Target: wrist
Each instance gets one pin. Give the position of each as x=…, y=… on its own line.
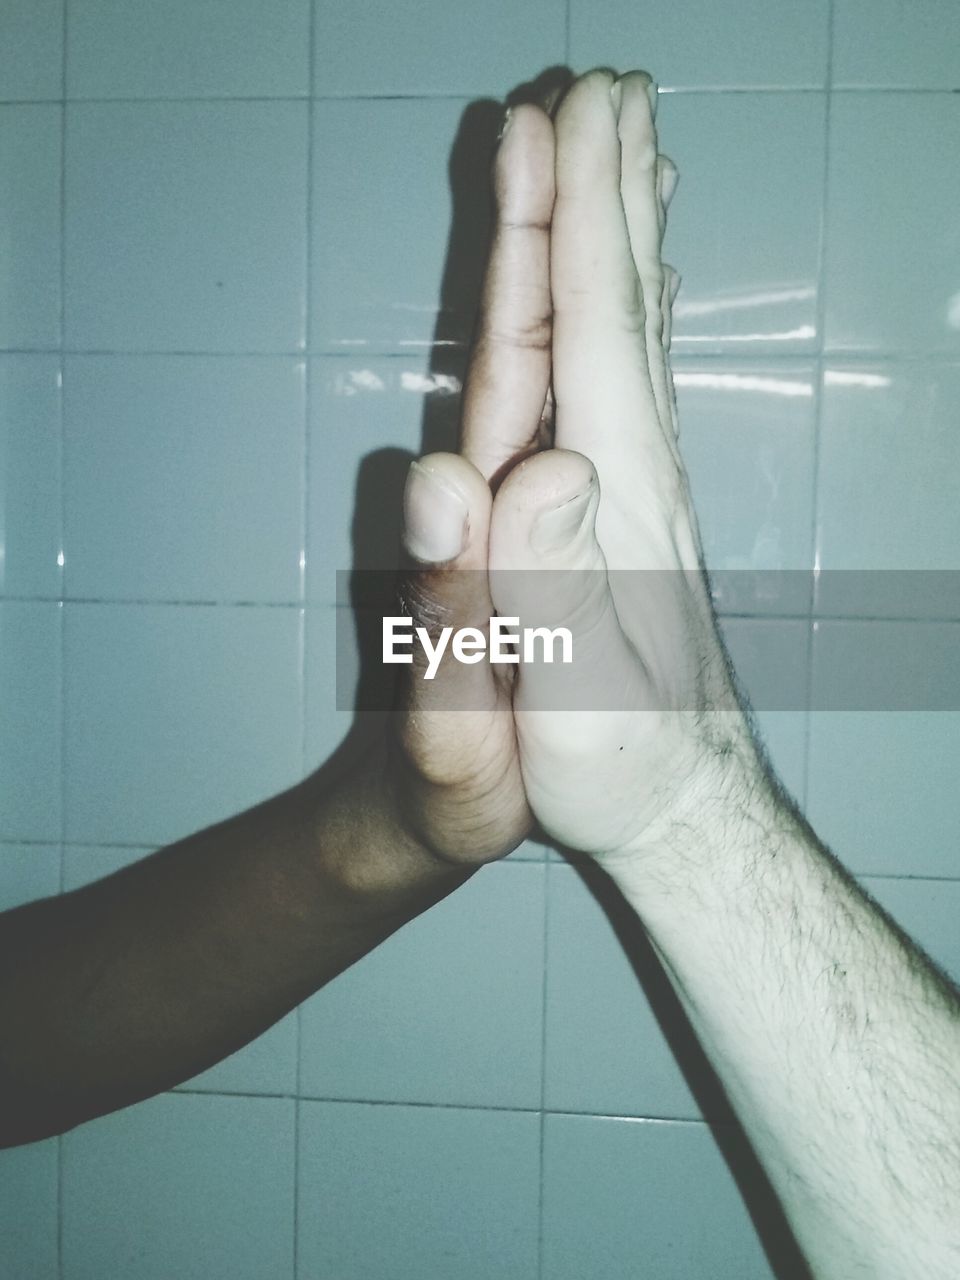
x=363, y=847
x=723, y=803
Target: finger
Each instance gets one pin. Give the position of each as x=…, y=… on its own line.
x=645, y=217
x=547, y=570
x=509, y=372
x=606, y=407
x=446, y=522
x=454, y=722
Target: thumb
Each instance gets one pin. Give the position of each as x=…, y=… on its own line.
x=547, y=570
x=446, y=522
x=453, y=718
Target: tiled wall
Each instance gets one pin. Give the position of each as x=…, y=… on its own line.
x=224, y=234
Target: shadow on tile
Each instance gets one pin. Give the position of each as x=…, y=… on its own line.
x=369, y=590
x=760, y=1200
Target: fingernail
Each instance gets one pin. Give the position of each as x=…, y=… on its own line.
x=434, y=517
x=556, y=529
x=507, y=116
x=653, y=94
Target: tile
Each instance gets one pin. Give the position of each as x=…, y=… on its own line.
x=30, y=501
x=176, y=717
x=448, y=1010
x=880, y=666
x=415, y=1192
x=30, y=694
x=30, y=160
x=886, y=497
x=28, y=1211
x=206, y=249
x=745, y=223
x=412, y=47
x=184, y=477
x=28, y=872
x=747, y=438
x=199, y=1188
x=888, y=44
x=188, y=49
x=771, y=659
x=266, y=1065
x=881, y=789
x=928, y=910
x=31, y=49
x=385, y=164
x=604, y=1049
x=620, y=1191
x=892, y=246
x=328, y=668
x=699, y=45
x=369, y=418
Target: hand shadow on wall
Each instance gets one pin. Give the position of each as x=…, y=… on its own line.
x=379, y=491
x=376, y=557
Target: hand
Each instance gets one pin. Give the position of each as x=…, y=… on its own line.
x=456, y=772
x=613, y=496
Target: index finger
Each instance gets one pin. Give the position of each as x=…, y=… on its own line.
x=509, y=372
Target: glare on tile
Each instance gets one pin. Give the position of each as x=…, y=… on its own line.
x=442, y=382
x=744, y=382
x=854, y=378
x=768, y=297
x=804, y=333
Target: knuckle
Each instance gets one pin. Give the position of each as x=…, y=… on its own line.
x=524, y=332
x=419, y=599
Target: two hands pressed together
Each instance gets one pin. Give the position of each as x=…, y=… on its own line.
x=835, y=1039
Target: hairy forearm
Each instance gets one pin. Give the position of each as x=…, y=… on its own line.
x=137, y=982
x=837, y=1041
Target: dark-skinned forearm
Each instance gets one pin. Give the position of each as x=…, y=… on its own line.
x=135, y=983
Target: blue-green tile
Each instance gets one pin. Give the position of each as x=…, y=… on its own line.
x=448, y=1010
x=199, y=1188
x=30, y=493
x=176, y=717
x=422, y=48
x=188, y=48
x=889, y=44
x=416, y=1192
x=30, y=737
x=185, y=226
x=892, y=238
x=744, y=225
x=31, y=49
x=640, y=1197
x=30, y=162
x=29, y=1212
x=696, y=44
x=184, y=477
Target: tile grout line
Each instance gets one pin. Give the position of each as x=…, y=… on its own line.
x=818, y=401
x=62, y=552
x=307, y=332
x=543, y=1052
x=739, y=359
x=767, y=90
